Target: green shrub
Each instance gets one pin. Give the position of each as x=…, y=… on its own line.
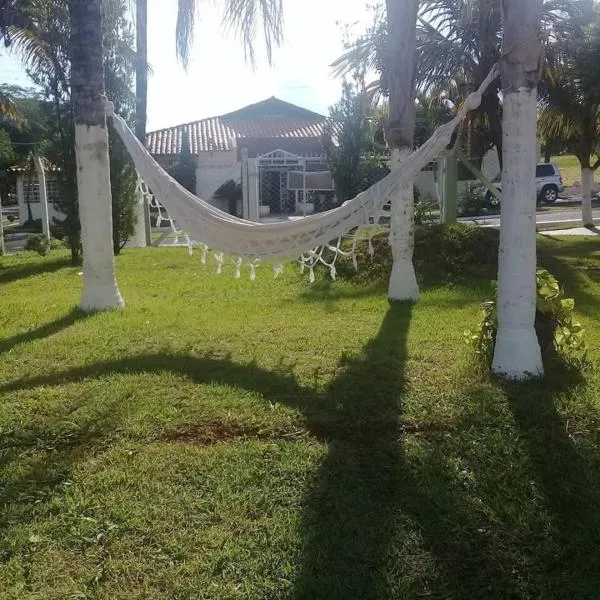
x=39, y=244
x=443, y=253
x=555, y=325
x=472, y=203
x=425, y=212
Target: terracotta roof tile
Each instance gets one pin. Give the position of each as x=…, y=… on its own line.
x=263, y=120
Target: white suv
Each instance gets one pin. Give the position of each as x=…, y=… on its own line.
x=548, y=183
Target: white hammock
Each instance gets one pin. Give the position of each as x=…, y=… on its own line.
x=306, y=239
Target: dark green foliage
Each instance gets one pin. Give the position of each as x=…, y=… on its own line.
x=7, y=151
x=431, y=112
x=232, y=193
x=39, y=244
x=570, y=94
x=184, y=170
x=472, y=203
x=555, y=323
x=349, y=145
x=50, y=117
x=443, y=253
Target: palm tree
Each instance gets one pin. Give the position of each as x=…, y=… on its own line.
x=458, y=42
x=571, y=101
x=517, y=353
x=400, y=132
x=100, y=290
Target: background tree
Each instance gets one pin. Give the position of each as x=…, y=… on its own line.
x=348, y=142
x=517, y=353
x=45, y=46
x=119, y=40
x=570, y=98
x=458, y=42
x=184, y=170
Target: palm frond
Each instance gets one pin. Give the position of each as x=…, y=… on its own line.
x=10, y=111
x=244, y=17
x=184, y=32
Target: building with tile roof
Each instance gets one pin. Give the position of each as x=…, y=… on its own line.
x=259, y=128
x=276, y=137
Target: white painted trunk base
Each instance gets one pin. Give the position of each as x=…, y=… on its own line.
x=138, y=238
x=587, y=183
x=403, y=282
x=517, y=354
x=100, y=290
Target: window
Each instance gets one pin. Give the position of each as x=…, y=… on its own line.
x=31, y=190
x=544, y=171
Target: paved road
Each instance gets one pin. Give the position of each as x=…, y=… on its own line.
x=570, y=212
x=571, y=215
x=541, y=217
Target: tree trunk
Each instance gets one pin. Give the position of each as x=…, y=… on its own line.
x=142, y=233
x=41, y=176
x=587, y=183
x=400, y=130
x=2, y=250
x=100, y=290
x=517, y=353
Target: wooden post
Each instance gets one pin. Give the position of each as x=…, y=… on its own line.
x=449, y=187
x=245, y=191
x=41, y=176
x=253, y=191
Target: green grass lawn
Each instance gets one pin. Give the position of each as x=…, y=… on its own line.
x=570, y=169
x=224, y=439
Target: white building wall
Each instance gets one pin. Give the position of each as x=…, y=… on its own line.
x=36, y=207
x=214, y=169
x=427, y=185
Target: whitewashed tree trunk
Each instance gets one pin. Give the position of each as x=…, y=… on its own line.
x=517, y=353
x=400, y=72
x=41, y=177
x=138, y=238
x=100, y=291
x=403, y=282
x=587, y=184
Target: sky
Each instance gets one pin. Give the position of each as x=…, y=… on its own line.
x=218, y=79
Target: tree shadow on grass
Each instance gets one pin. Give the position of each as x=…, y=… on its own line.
x=576, y=279
x=347, y=524
x=387, y=514
x=18, y=272
x=563, y=450
x=44, y=331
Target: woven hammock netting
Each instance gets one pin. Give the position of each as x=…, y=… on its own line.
x=316, y=239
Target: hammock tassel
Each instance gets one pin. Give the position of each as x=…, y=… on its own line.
x=238, y=268
x=219, y=258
